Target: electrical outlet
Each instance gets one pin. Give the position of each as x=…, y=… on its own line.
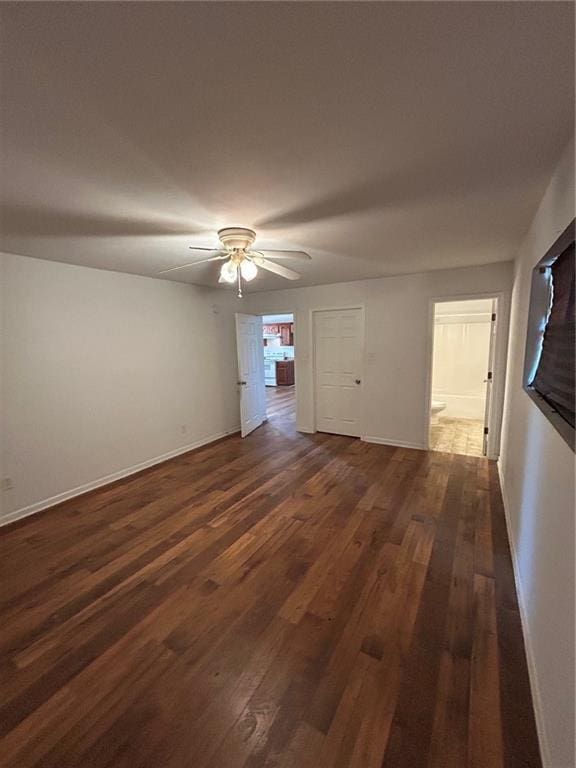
x=7, y=484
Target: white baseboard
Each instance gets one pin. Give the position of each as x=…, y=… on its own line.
x=393, y=443
x=38, y=506
x=532, y=674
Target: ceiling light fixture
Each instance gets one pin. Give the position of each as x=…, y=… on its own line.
x=242, y=263
x=229, y=272
x=248, y=269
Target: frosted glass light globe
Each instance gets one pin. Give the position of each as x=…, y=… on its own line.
x=248, y=270
x=229, y=271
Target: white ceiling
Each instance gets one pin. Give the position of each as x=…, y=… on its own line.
x=383, y=138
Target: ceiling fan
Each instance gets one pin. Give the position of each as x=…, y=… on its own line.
x=240, y=262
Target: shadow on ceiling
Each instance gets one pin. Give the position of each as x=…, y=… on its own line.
x=24, y=220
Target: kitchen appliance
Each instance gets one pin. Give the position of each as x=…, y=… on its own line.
x=270, y=358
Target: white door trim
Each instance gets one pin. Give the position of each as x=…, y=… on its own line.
x=489, y=381
x=312, y=346
x=499, y=369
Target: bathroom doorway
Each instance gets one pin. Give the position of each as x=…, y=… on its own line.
x=462, y=376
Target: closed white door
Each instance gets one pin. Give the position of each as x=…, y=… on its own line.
x=338, y=354
x=249, y=342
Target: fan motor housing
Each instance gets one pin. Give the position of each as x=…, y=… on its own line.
x=237, y=238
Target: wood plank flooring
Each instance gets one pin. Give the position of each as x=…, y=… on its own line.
x=281, y=402
x=286, y=601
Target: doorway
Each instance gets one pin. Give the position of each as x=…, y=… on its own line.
x=279, y=368
x=464, y=334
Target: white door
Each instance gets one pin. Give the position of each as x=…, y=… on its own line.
x=489, y=381
x=338, y=352
x=250, y=345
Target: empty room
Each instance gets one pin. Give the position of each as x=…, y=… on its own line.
x=287, y=403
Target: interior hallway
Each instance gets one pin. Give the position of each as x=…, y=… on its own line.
x=287, y=599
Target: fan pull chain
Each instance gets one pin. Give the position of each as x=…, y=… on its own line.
x=239, y=284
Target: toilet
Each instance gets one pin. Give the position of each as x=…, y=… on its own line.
x=435, y=408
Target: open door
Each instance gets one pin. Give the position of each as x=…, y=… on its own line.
x=489, y=380
x=250, y=372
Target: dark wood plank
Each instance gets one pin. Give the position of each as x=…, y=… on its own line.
x=283, y=601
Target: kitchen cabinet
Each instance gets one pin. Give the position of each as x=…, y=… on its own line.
x=284, y=373
x=283, y=330
x=286, y=335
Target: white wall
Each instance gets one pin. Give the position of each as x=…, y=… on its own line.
x=271, y=319
x=105, y=371
x=398, y=341
x=288, y=352
x=537, y=473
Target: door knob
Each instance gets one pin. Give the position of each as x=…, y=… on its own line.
x=242, y=383
x=358, y=381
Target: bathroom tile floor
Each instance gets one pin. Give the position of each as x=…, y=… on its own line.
x=462, y=436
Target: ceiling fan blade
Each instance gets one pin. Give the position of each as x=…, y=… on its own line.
x=211, y=250
x=191, y=264
x=282, y=254
x=277, y=269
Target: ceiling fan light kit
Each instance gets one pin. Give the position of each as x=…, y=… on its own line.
x=241, y=263
x=228, y=272
x=248, y=269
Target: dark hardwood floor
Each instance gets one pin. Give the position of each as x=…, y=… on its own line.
x=286, y=601
x=281, y=402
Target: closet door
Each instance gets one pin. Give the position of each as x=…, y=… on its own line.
x=338, y=354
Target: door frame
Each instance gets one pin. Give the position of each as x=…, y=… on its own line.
x=312, y=345
x=498, y=370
